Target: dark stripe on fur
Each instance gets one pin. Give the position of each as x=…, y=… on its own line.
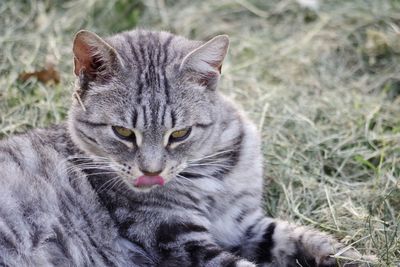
x=165, y=49
x=166, y=87
x=244, y=213
x=144, y=112
x=187, y=195
x=154, y=112
x=101, y=253
x=84, y=135
x=169, y=232
x=229, y=158
x=203, y=125
x=212, y=253
x=7, y=241
x=139, y=90
x=164, y=109
x=173, y=118
x=229, y=262
x=190, y=175
x=193, y=248
x=190, y=252
x=92, y=124
x=11, y=153
x=60, y=241
x=134, y=117
x=263, y=251
x=123, y=228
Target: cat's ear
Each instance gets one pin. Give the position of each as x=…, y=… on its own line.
x=204, y=63
x=93, y=57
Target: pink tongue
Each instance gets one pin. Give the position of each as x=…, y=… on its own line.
x=148, y=181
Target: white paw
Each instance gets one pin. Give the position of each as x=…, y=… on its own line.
x=245, y=263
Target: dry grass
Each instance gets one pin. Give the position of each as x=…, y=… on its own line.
x=323, y=85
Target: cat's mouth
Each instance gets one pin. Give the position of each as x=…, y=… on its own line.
x=145, y=181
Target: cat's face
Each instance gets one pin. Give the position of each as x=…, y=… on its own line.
x=145, y=103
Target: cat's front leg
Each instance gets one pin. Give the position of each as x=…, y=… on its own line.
x=271, y=242
x=190, y=244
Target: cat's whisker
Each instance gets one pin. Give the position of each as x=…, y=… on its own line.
x=104, y=163
x=85, y=168
x=199, y=168
x=114, y=183
x=209, y=164
x=101, y=175
x=211, y=155
x=92, y=157
x=199, y=175
x=89, y=164
x=76, y=163
x=82, y=163
x=99, y=172
x=119, y=182
x=185, y=178
x=104, y=187
x=88, y=159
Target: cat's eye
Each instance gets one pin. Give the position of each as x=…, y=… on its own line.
x=180, y=135
x=123, y=133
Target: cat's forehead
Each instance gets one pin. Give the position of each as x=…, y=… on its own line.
x=148, y=49
x=151, y=61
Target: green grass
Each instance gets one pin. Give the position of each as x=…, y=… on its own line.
x=322, y=85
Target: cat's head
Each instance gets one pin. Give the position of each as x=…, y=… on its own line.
x=145, y=102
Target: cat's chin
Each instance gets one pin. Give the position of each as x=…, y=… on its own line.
x=146, y=184
x=144, y=189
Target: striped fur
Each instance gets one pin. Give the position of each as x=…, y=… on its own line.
x=69, y=193
x=49, y=213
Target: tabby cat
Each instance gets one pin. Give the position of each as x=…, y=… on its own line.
x=154, y=168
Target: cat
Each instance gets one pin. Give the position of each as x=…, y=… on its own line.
x=155, y=167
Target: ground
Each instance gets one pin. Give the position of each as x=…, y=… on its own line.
x=321, y=79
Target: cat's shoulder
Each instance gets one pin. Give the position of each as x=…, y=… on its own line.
x=35, y=151
x=53, y=137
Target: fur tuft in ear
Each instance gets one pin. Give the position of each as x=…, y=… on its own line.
x=205, y=62
x=93, y=57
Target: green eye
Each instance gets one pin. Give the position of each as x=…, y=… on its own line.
x=123, y=133
x=180, y=135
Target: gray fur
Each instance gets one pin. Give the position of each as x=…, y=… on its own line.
x=68, y=195
x=50, y=215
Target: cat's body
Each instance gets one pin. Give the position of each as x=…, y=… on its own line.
x=49, y=214
x=146, y=113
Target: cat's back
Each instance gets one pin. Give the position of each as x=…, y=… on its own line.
x=32, y=172
x=31, y=154
x=49, y=214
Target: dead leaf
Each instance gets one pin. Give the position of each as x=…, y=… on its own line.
x=48, y=75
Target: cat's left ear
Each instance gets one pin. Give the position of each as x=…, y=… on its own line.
x=204, y=63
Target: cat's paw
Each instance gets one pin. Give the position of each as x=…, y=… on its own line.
x=347, y=258
x=245, y=263
x=326, y=251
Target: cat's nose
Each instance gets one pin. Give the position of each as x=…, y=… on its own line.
x=151, y=173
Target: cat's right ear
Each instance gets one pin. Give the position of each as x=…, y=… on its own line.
x=94, y=58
